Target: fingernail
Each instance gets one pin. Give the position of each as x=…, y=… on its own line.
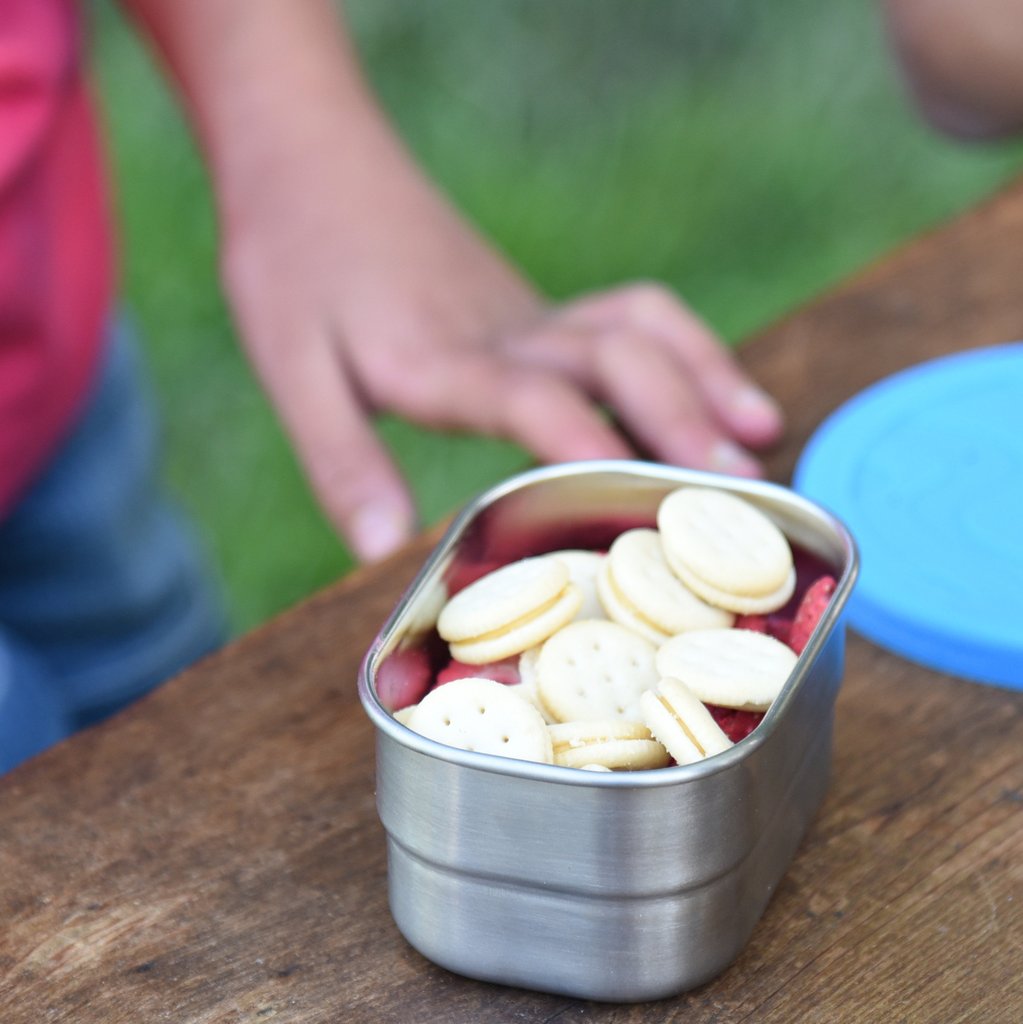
x=377, y=531
x=756, y=407
x=726, y=457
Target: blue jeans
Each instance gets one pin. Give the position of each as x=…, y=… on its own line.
x=103, y=591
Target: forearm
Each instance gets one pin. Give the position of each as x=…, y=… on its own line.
x=274, y=91
x=963, y=62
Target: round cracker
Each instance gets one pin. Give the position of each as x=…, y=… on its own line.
x=733, y=668
x=403, y=715
x=617, y=755
x=427, y=607
x=595, y=669
x=641, y=575
x=614, y=744
x=520, y=635
x=583, y=567
x=484, y=716
x=619, y=610
x=740, y=604
x=679, y=720
x=579, y=732
x=526, y=687
x=527, y=667
x=724, y=541
x=504, y=596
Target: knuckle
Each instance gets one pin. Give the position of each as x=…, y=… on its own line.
x=531, y=394
x=651, y=298
x=396, y=377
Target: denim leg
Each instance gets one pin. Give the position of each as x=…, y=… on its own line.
x=32, y=713
x=100, y=579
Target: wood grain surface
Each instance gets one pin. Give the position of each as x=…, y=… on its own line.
x=213, y=854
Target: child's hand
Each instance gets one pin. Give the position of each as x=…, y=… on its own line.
x=381, y=298
x=358, y=289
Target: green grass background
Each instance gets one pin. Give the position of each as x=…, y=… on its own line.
x=749, y=154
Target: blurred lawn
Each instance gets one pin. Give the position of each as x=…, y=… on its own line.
x=748, y=154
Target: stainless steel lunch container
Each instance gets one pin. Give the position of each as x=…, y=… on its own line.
x=609, y=886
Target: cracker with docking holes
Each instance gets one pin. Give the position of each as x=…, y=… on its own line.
x=640, y=578
x=613, y=744
x=726, y=550
x=678, y=719
x=481, y=715
x=733, y=668
x=509, y=610
x=595, y=669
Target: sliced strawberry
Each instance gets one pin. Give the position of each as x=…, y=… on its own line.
x=757, y=623
x=505, y=671
x=813, y=605
x=774, y=625
x=403, y=678
x=780, y=627
x=736, y=725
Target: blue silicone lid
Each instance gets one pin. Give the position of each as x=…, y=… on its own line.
x=926, y=469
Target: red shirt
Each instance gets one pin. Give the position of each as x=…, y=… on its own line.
x=55, y=250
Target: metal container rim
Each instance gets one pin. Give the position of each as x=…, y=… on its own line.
x=555, y=774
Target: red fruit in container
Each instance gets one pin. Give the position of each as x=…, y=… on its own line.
x=774, y=625
x=736, y=725
x=757, y=623
x=505, y=671
x=809, y=612
x=403, y=678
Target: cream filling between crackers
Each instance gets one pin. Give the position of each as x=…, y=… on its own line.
x=680, y=722
x=524, y=620
x=633, y=609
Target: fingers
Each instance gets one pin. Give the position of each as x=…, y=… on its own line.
x=556, y=421
x=663, y=408
x=673, y=388
x=657, y=401
x=540, y=394
x=479, y=390
x=742, y=408
x=349, y=469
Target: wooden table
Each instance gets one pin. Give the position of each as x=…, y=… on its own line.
x=214, y=853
